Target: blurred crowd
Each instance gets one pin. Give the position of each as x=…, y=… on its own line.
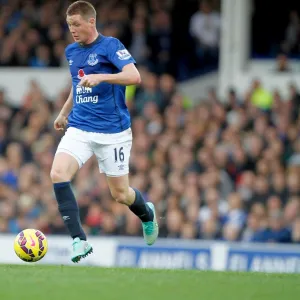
x=34, y=33
x=225, y=169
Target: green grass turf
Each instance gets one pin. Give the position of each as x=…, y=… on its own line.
x=61, y=282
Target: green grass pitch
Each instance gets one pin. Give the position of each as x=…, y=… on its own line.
x=41, y=282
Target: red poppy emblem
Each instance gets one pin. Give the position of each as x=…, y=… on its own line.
x=81, y=73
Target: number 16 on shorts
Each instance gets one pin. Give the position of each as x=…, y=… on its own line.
x=119, y=154
x=117, y=159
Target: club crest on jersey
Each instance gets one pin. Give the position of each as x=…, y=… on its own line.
x=92, y=60
x=81, y=74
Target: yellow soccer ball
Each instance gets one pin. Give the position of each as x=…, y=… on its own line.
x=31, y=245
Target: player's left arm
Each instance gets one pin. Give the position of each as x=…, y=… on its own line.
x=128, y=76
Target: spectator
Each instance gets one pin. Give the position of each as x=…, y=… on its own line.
x=296, y=231
x=291, y=42
x=278, y=186
x=210, y=229
x=252, y=228
x=149, y=92
x=294, y=100
x=215, y=207
x=205, y=28
x=275, y=232
x=292, y=211
x=234, y=219
x=6, y=112
x=188, y=231
x=260, y=97
x=159, y=42
x=282, y=64
x=138, y=46
x=42, y=57
x=174, y=223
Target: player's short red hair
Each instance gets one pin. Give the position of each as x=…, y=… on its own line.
x=82, y=8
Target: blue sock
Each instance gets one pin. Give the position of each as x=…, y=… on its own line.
x=68, y=208
x=140, y=208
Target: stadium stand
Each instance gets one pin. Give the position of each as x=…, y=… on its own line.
x=34, y=33
x=216, y=171
x=222, y=170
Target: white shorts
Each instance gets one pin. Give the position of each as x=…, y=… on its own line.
x=111, y=150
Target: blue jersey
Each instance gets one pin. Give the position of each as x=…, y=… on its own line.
x=101, y=108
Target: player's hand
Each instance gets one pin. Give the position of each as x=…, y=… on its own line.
x=60, y=122
x=90, y=80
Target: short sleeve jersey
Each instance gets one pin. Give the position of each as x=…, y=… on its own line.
x=101, y=108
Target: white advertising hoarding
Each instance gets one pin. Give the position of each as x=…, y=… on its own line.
x=168, y=254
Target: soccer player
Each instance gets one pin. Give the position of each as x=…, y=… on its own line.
x=97, y=122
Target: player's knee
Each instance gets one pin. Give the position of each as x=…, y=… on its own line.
x=120, y=195
x=59, y=175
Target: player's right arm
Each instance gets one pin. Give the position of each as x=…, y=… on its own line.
x=61, y=121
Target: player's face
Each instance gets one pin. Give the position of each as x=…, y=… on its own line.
x=80, y=28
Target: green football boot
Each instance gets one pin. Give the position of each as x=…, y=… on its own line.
x=150, y=229
x=81, y=249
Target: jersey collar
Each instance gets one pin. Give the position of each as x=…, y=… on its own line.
x=91, y=44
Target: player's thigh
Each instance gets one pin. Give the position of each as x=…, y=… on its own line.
x=72, y=152
x=64, y=167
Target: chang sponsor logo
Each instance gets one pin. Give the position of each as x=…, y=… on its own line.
x=86, y=99
x=83, y=95
x=83, y=90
